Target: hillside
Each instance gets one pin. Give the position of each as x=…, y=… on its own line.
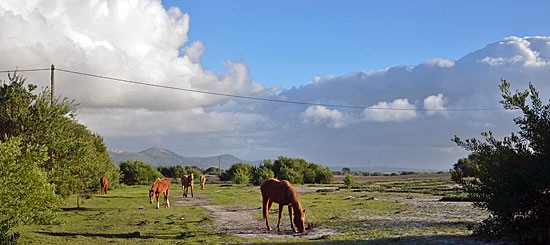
x=157, y=156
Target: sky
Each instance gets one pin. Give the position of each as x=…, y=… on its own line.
x=286, y=43
x=411, y=56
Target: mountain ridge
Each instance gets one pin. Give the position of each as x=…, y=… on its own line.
x=157, y=156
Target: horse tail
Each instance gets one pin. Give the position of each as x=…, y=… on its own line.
x=264, y=201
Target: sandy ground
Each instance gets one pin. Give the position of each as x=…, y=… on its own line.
x=242, y=222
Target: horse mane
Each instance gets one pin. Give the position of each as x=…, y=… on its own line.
x=294, y=200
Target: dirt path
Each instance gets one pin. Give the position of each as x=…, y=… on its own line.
x=242, y=222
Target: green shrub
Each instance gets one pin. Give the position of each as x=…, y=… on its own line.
x=512, y=176
x=349, y=181
x=241, y=176
x=261, y=174
x=138, y=173
x=26, y=197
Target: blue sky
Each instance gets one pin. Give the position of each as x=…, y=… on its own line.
x=288, y=42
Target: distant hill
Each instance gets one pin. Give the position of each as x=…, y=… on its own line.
x=157, y=156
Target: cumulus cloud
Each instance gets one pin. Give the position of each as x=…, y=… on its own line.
x=135, y=40
x=435, y=102
x=317, y=114
x=398, y=110
x=440, y=62
x=141, y=40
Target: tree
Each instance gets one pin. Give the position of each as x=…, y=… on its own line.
x=262, y=173
x=76, y=159
x=138, y=173
x=241, y=176
x=26, y=197
x=228, y=174
x=346, y=171
x=349, y=181
x=511, y=178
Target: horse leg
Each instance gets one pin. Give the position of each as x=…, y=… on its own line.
x=291, y=220
x=280, y=216
x=183, y=190
x=269, y=204
x=167, y=202
x=158, y=200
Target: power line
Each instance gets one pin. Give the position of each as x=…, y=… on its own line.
x=258, y=98
x=24, y=70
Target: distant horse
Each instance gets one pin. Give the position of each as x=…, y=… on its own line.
x=104, y=184
x=186, y=182
x=160, y=186
x=282, y=193
x=203, y=181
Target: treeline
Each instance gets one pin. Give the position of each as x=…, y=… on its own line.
x=295, y=170
x=45, y=155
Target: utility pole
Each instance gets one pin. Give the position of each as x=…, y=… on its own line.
x=52, y=78
x=220, y=163
x=369, y=168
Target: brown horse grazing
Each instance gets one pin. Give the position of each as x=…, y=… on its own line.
x=104, y=184
x=203, y=181
x=160, y=186
x=187, y=182
x=282, y=193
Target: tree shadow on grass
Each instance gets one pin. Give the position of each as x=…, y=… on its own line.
x=104, y=235
x=433, y=239
x=117, y=197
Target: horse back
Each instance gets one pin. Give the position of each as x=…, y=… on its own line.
x=277, y=191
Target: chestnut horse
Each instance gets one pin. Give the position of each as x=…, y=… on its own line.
x=282, y=193
x=160, y=186
x=186, y=182
x=203, y=181
x=104, y=184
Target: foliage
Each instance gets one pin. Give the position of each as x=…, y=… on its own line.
x=177, y=172
x=229, y=174
x=213, y=171
x=262, y=173
x=349, y=181
x=298, y=171
x=241, y=176
x=346, y=171
x=26, y=196
x=76, y=157
x=464, y=167
x=197, y=172
x=138, y=173
x=512, y=175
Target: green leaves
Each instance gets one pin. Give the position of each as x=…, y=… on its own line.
x=511, y=176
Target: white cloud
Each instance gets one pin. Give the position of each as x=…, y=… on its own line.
x=399, y=110
x=435, y=102
x=440, y=62
x=516, y=50
x=140, y=40
x=135, y=40
x=317, y=114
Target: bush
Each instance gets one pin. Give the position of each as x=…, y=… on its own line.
x=241, y=176
x=261, y=174
x=26, y=197
x=138, y=173
x=349, y=181
x=228, y=174
x=511, y=177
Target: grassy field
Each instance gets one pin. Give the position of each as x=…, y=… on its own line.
x=386, y=210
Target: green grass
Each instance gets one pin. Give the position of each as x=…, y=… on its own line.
x=117, y=218
x=377, y=212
